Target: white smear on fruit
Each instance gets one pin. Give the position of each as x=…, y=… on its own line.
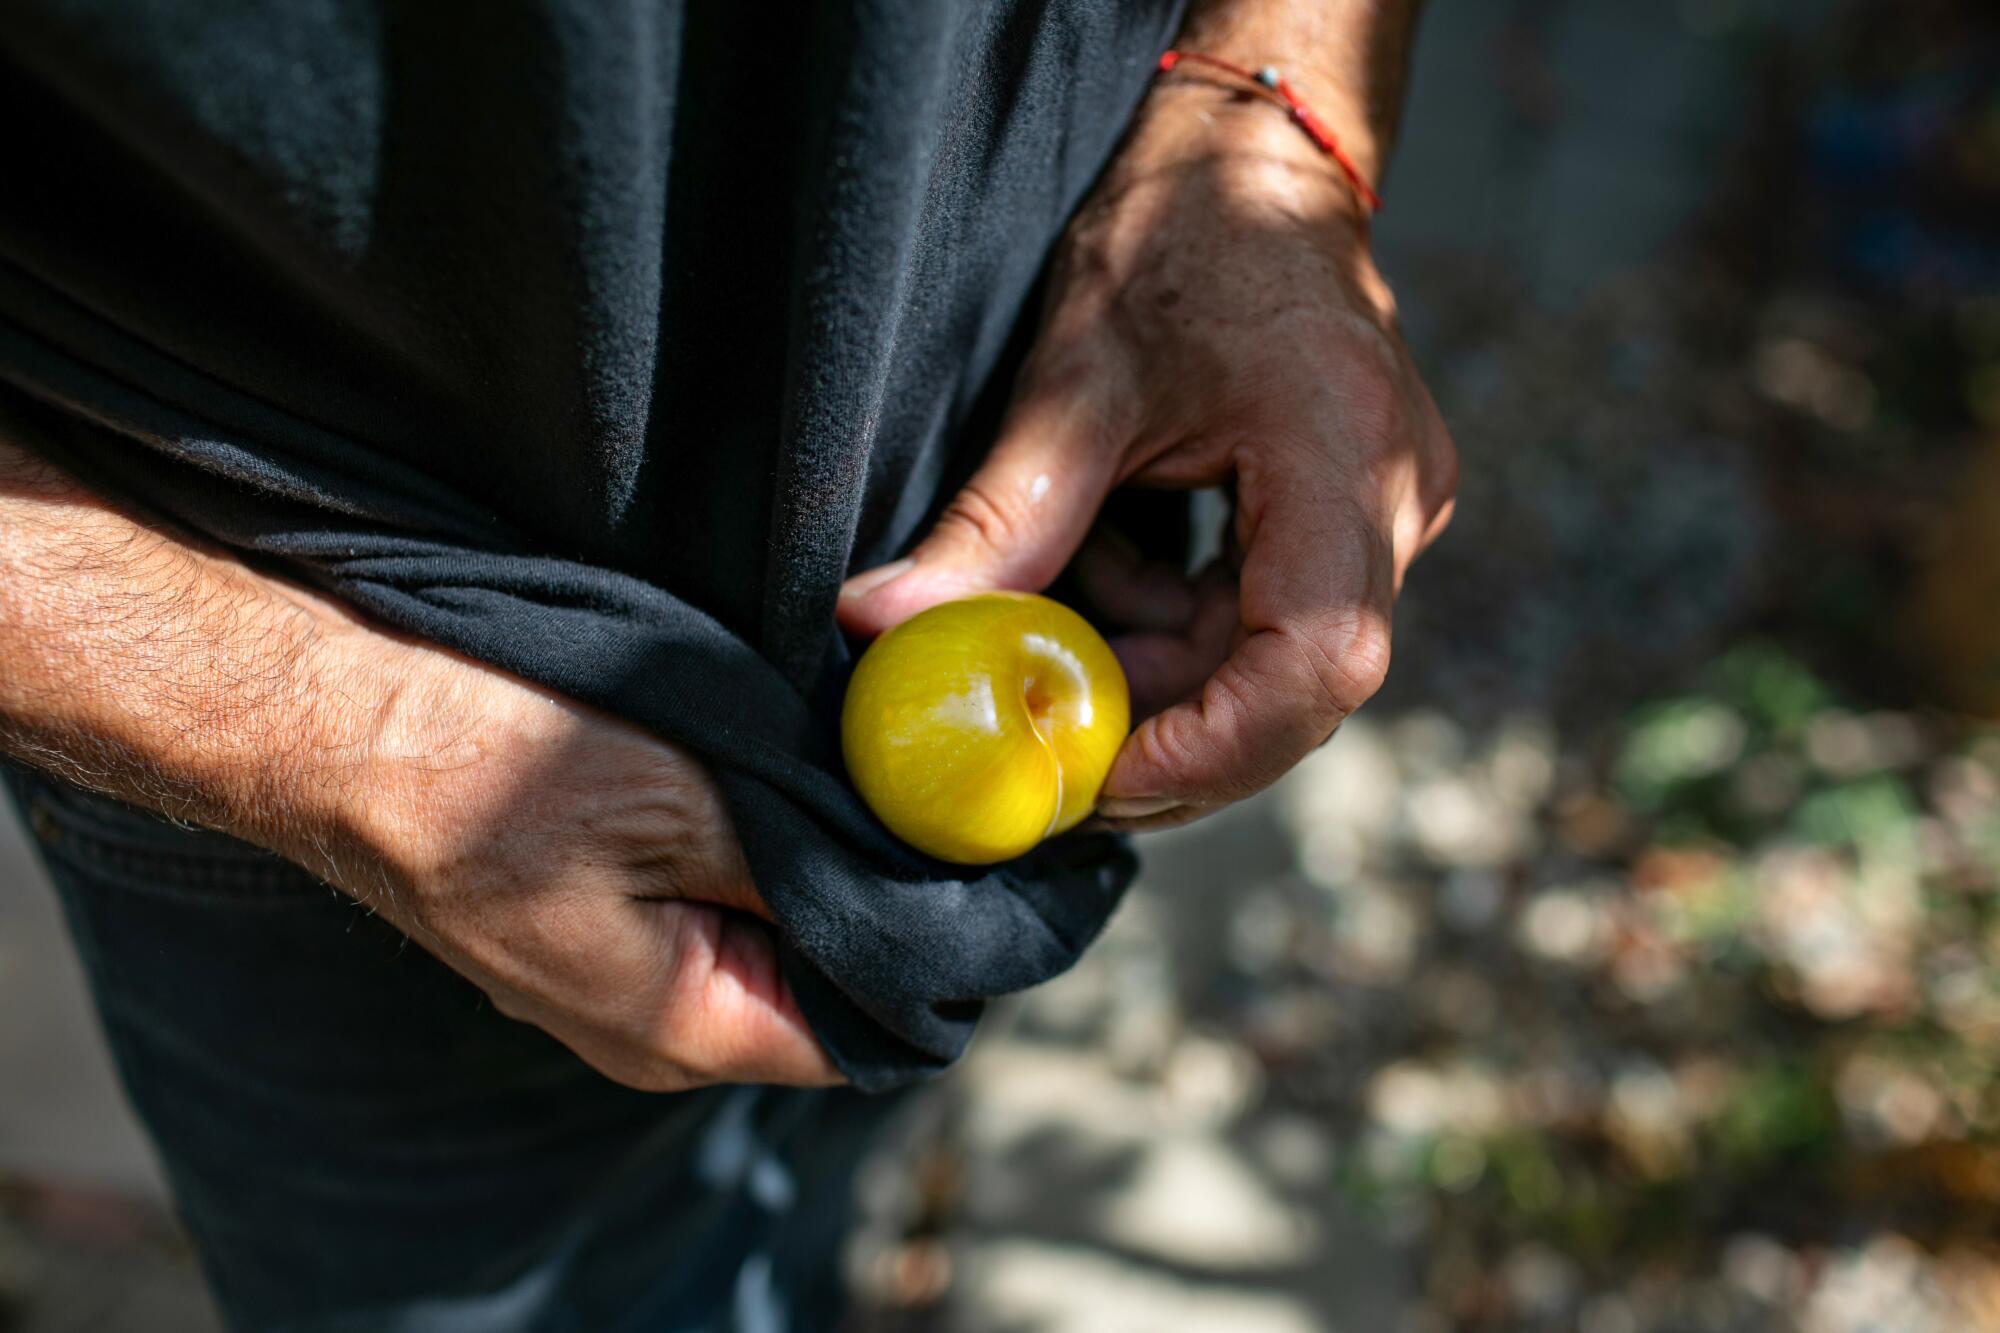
x=975, y=708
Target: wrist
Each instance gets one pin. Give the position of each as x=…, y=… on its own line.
x=1341, y=65
x=1248, y=150
x=451, y=756
x=298, y=778
x=335, y=763
x=414, y=727
x=1327, y=117
x=1239, y=201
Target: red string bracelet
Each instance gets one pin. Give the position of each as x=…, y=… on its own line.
x=1272, y=82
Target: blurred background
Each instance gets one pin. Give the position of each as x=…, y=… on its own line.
x=1633, y=963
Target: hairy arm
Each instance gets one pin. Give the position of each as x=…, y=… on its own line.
x=147, y=667
x=583, y=873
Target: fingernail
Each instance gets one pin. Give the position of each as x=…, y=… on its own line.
x=1135, y=807
x=863, y=584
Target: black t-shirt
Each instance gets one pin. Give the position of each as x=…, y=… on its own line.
x=599, y=339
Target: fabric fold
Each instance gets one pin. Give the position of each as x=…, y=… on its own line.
x=890, y=954
x=600, y=343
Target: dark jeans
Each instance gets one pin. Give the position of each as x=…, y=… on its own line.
x=357, y=1140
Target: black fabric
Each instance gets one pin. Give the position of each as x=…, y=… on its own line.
x=597, y=339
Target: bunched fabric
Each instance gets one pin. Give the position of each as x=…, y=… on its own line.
x=598, y=341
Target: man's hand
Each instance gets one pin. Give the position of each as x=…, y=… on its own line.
x=1213, y=318
x=581, y=872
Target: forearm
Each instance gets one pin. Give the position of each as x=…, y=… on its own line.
x=143, y=666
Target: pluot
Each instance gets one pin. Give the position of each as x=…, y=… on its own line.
x=978, y=728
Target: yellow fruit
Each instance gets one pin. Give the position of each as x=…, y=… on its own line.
x=980, y=727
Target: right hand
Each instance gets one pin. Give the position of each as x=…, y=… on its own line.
x=580, y=871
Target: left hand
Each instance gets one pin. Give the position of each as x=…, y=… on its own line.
x=1214, y=317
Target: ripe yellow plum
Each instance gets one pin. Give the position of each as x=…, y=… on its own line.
x=980, y=727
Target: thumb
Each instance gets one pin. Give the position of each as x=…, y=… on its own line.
x=1014, y=525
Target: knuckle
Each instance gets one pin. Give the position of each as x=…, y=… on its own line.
x=1373, y=410
x=1370, y=390
x=660, y=1073
x=1227, y=699
x=1064, y=369
x=675, y=1035
x=1163, y=747
x=674, y=1056
x=1349, y=660
x=1438, y=456
x=1374, y=398
x=1229, y=711
x=509, y=1007
x=635, y=1060
x=980, y=513
x=673, y=1024
x=1442, y=473
x=674, y=1073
